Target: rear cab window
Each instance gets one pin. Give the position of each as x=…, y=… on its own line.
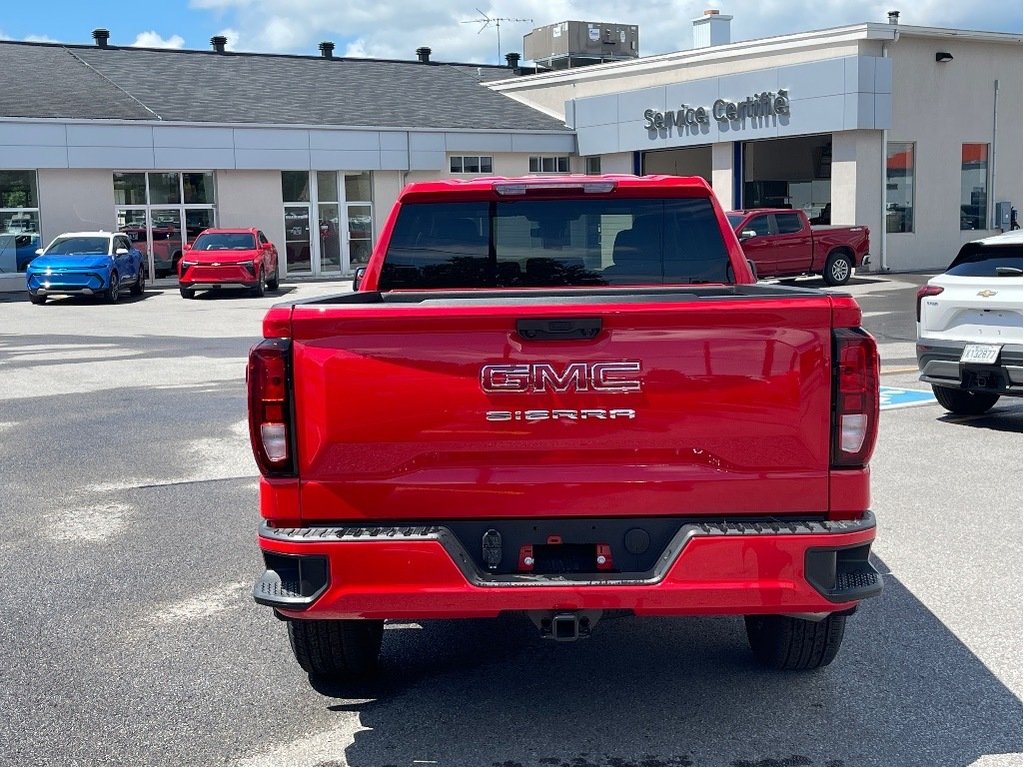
x=565, y=242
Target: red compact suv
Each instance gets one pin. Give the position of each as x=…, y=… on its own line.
x=228, y=257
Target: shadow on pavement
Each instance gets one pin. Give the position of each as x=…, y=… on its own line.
x=1004, y=417
x=903, y=691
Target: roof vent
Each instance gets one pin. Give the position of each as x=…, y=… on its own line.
x=423, y=54
x=327, y=49
x=101, y=36
x=894, y=17
x=219, y=42
x=513, y=60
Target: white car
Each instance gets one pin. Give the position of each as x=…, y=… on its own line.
x=969, y=325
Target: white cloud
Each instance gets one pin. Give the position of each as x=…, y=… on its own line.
x=39, y=39
x=396, y=28
x=153, y=40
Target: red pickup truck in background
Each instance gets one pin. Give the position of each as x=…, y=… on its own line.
x=782, y=243
x=561, y=397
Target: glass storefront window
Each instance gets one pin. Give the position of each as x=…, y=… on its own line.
x=327, y=186
x=973, y=186
x=18, y=189
x=295, y=186
x=899, y=187
x=130, y=188
x=196, y=220
x=198, y=187
x=357, y=187
x=164, y=188
x=19, y=220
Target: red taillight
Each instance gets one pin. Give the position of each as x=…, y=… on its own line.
x=270, y=417
x=926, y=290
x=855, y=400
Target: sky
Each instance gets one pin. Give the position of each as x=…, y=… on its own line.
x=456, y=30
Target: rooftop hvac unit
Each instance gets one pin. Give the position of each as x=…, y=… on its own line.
x=580, y=43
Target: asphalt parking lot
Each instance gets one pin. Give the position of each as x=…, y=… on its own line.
x=128, y=510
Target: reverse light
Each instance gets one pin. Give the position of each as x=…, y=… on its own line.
x=855, y=397
x=270, y=417
x=926, y=290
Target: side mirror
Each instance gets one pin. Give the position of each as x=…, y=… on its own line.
x=187, y=247
x=746, y=234
x=753, y=269
x=39, y=251
x=121, y=251
x=357, y=279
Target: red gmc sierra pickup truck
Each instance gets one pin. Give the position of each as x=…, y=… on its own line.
x=782, y=243
x=560, y=397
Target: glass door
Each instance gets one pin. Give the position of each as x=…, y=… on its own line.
x=134, y=222
x=296, y=239
x=165, y=241
x=360, y=235
x=330, y=239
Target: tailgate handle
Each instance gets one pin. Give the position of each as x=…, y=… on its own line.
x=558, y=328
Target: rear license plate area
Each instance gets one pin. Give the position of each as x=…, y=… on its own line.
x=564, y=558
x=981, y=354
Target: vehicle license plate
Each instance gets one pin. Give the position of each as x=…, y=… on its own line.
x=985, y=354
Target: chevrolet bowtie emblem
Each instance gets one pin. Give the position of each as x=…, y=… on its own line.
x=987, y=293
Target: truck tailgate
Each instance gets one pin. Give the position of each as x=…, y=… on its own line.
x=726, y=414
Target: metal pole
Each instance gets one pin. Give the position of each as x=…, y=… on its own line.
x=990, y=203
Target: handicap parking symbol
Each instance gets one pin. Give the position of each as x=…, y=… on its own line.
x=897, y=397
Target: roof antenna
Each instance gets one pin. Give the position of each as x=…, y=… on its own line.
x=487, y=21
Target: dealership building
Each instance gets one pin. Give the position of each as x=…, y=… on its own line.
x=914, y=132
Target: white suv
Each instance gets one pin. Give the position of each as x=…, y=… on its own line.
x=969, y=325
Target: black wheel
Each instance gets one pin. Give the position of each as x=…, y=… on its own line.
x=140, y=283
x=261, y=285
x=187, y=293
x=964, y=402
x=37, y=299
x=342, y=650
x=782, y=642
x=275, y=281
x=113, y=292
x=838, y=268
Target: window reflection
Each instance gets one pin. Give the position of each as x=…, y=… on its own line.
x=973, y=186
x=899, y=188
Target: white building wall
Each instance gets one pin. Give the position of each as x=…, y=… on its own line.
x=722, y=174
x=857, y=184
x=75, y=200
x=252, y=199
x=939, y=107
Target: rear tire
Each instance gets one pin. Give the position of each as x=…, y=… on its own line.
x=341, y=650
x=783, y=642
x=187, y=293
x=838, y=268
x=963, y=402
x=40, y=299
x=275, y=281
